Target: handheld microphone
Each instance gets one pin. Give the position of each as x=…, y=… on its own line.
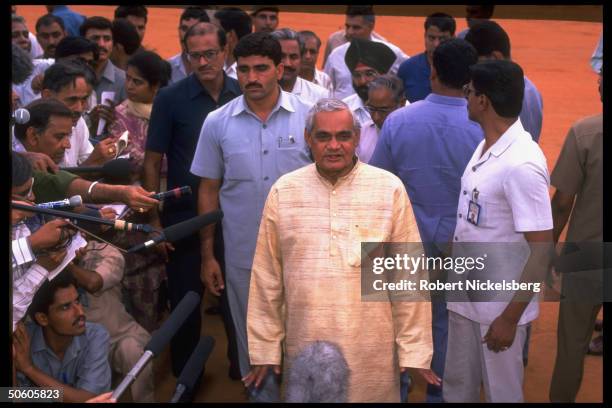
x=174, y=193
x=181, y=230
x=160, y=339
x=116, y=224
x=319, y=373
x=21, y=116
x=194, y=367
x=113, y=169
x=74, y=201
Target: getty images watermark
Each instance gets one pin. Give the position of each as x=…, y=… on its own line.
x=463, y=272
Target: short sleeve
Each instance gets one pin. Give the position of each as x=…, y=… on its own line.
x=382, y=157
x=94, y=372
x=159, y=134
x=208, y=158
x=52, y=187
x=526, y=189
x=568, y=174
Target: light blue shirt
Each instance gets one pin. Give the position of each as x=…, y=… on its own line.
x=112, y=79
x=178, y=68
x=531, y=112
x=85, y=364
x=249, y=155
x=427, y=145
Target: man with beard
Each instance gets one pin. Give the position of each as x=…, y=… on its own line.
x=49, y=32
x=59, y=349
x=292, y=61
x=310, y=45
x=365, y=60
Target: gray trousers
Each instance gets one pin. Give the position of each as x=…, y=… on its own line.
x=469, y=363
x=237, y=282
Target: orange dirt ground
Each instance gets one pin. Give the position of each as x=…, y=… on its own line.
x=554, y=55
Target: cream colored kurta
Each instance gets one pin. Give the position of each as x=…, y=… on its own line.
x=307, y=262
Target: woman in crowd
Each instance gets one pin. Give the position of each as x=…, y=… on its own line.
x=145, y=271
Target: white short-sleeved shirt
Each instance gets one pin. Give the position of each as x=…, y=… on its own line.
x=309, y=91
x=512, y=182
x=367, y=141
x=336, y=68
x=322, y=79
x=80, y=146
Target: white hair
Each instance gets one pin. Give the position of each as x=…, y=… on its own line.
x=329, y=105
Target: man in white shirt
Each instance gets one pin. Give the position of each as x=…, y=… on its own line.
x=366, y=60
x=385, y=94
x=359, y=26
x=504, y=201
x=179, y=63
x=236, y=23
x=310, y=45
x=292, y=62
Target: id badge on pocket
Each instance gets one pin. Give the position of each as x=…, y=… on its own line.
x=473, y=214
x=285, y=142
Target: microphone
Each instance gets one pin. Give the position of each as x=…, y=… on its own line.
x=194, y=367
x=116, y=224
x=160, y=339
x=74, y=201
x=114, y=169
x=174, y=193
x=319, y=373
x=21, y=116
x=181, y=230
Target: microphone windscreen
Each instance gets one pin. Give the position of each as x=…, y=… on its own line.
x=184, y=229
x=22, y=116
x=161, y=337
x=75, y=201
x=193, y=369
x=118, y=169
x=21, y=64
x=319, y=373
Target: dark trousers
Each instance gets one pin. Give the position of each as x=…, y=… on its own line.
x=183, y=270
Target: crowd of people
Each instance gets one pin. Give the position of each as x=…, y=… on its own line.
x=306, y=164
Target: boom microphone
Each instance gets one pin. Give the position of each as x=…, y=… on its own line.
x=181, y=230
x=160, y=339
x=74, y=201
x=319, y=373
x=193, y=369
x=174, y=193
x=116, y=224
x=113, y=169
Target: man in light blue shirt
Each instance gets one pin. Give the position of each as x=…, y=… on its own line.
x=61, y=350
x=427, y=145
x=244, y=147
x=492, y=43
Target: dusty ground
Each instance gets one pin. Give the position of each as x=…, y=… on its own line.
x=554, y=55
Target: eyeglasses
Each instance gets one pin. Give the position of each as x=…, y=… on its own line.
x=467, y=90
x=207, y=55
x=383, y=111
x=369, y=74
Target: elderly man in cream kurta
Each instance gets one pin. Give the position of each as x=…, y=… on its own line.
x=306, y=278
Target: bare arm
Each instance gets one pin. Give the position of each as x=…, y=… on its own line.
x=562, y=204
x=210, y=272
x=151, y=168
x=134, y=196
x=91, y=281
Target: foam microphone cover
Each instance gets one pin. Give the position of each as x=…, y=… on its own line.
x=184, y=229
x=117, y=170
x=164, y=334
x=192, y=370
x=319, y=373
